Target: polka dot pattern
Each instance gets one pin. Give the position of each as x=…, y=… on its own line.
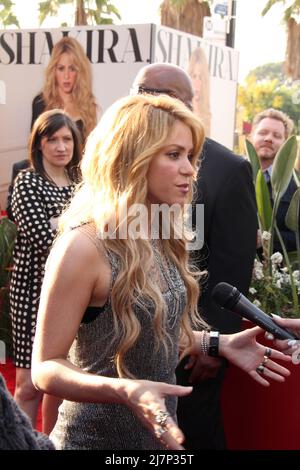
x=34, y=202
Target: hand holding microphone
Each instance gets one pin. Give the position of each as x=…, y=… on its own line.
x=228, y=297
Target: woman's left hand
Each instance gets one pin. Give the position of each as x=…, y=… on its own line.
x=245, y=352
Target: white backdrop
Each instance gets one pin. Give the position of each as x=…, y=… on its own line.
x=116, y=54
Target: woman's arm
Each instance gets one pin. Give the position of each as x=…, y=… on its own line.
x=28, y=208
x=71, y=282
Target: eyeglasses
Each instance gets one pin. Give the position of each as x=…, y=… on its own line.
x=140, y=89
x=156, y=91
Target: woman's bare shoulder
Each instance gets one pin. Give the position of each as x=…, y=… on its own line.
x=77, y=246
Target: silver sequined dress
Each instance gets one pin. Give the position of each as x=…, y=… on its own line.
x=114, y=426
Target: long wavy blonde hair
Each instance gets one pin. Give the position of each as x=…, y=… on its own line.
x=82, y=91
x=114, y=170
x=198, y=71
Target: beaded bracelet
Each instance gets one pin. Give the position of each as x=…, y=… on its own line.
x=204, y=343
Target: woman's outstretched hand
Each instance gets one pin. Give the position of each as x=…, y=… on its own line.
x=259, y=361
x=147, y=400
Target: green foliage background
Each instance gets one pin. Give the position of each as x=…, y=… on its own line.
x=266, y=87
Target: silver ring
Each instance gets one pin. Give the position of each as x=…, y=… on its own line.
x=268, y=352
x=161, y=418
x=160, y=431
x=260, y=369
x=264, y=361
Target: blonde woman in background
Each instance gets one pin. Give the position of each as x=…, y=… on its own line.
x=199, y=73
x=117, y=304
x=68, y=85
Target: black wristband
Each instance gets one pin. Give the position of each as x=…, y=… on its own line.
x=213, y=348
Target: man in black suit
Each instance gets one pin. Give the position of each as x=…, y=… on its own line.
x=270, y=129
x=17, y=167
x=230, y=227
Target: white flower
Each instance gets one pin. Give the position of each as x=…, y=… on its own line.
x=266, y=236
x=257, y=303
x=296, y=278
x=252, y=290
x=277, y=274
x=276, y=258
x=258, y=264
x=258, y=270
x=259, y=275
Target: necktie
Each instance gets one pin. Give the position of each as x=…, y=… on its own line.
x=268, y=181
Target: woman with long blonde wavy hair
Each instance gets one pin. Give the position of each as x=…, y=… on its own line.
x=119, y=298
x=198, y=71
x=68, y=85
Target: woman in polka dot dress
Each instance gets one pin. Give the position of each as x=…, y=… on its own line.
x=39, y=195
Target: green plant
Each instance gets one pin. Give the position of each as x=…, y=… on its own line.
x=8, y=233
x=257, y=94
x=276, y=277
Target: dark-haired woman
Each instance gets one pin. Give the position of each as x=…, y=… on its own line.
x=39, y=195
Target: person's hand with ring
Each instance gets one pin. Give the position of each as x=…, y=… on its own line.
x=291, y=346
x=147, y=401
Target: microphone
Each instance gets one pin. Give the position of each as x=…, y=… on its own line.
x=227, y=296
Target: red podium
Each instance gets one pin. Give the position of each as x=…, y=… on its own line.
x=261, y=418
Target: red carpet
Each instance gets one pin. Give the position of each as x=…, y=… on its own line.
x=261, y=418
x=9, y=373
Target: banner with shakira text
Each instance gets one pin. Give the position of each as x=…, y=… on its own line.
x=116, y=53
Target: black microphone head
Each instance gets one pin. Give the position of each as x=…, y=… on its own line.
x=225, y=295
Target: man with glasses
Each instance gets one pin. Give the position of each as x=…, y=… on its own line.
x=225, y=187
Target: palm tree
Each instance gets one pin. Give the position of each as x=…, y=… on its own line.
x=292, y=63
x=7, y=17
x=86, y=11
x=185, y=15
